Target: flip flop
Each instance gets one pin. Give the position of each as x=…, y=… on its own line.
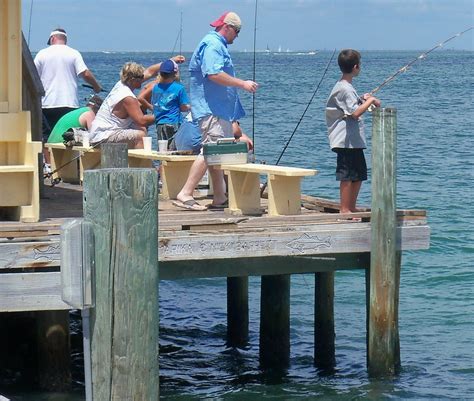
x=190, y=204
x=350, y=219
x=218, y=207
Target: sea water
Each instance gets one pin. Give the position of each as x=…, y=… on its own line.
x=434, y=100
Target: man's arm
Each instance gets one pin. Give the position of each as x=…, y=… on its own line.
x=224, y=79
x=153, y=70
x=132, y=107
x=90, y=79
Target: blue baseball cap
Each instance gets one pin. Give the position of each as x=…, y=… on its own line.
x=167, y=67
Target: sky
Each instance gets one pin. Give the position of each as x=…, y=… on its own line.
x=146, y=25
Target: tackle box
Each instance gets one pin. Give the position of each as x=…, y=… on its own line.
x=225, y=151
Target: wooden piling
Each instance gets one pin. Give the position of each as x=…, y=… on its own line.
x=275, y=321
x=383, y=338
x=237, y=311
x=122, y=206
x=54, y=350
x=324, y=333
x=113, y=155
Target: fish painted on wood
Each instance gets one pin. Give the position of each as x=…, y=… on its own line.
x=309, y=243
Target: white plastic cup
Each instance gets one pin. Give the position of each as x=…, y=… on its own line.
x=162, y=146
x=85, y=141
x=147, y=143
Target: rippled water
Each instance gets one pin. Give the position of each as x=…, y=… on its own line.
x=435, y=172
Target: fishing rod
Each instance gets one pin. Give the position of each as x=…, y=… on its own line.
x=254, y=74
x=91, y=87
x=178, y=36
x=55, y=181
x=298, y=124
x=420, y=57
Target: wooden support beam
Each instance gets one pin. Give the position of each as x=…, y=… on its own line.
x=237, y=311
x=383, y=342
x=54, y=350
x=324, y=332
x=122, y=206
x=275, y=322
x=114, y=155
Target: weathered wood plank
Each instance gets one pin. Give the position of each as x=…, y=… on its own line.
x=30, y=292
x=297, y=243
x=347, y=238
x=122, y=206
x=273, y=265
x=38, y=254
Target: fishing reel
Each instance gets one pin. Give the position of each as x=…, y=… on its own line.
x=53, y=181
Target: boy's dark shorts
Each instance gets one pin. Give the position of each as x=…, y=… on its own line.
x=351, y=165
x=166, y=131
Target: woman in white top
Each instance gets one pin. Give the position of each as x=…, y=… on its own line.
x=120, y=118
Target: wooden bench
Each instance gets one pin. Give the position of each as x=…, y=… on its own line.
x=174, y=171
x=19, y=181
x=73, y=172
x=284, y=189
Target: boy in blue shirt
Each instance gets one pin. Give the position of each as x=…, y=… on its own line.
x=167, y=98
x=346, y=133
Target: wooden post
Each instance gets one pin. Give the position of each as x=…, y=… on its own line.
x=384, y=343
x=324, y=334
x=237, y=311
x=122, y=206
x=275, y=321
x=54, y=350
x=114, y=155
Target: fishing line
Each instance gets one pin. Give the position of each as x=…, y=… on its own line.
x=301, y=119
x=420, y=57
x=254, y=74
x=29, y=24
x=181, y=33
x=307, y=107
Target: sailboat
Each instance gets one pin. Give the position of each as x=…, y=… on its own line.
x=267, y=50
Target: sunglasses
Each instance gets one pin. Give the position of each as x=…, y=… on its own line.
x=237, y=30
x=139, y=76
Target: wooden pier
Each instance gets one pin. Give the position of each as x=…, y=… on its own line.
x=215, y=244
x=134, y=240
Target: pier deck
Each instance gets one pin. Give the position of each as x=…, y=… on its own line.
x=198, y=244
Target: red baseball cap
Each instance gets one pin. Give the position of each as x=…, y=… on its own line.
x=229, y=18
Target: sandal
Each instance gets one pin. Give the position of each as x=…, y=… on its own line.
x=190, y=204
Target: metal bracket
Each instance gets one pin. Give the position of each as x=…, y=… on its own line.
x=77, y=264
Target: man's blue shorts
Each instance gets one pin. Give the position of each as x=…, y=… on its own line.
x=351, y=165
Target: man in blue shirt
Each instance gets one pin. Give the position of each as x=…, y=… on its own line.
x=215, y=102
